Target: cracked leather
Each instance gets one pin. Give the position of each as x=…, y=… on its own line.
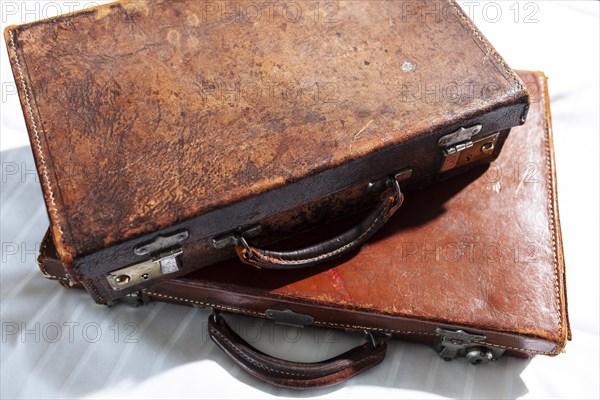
x=148, y=117
x=449, y=260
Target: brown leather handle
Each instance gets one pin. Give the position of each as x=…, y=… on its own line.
x=289, y=374
x=318, y=253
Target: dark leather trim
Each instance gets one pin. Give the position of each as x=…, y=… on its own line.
x=290, y=374
x=329, y=249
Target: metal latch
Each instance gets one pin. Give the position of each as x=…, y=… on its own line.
x=460, y=148
x=232, y=238
x=164, y=252
x=452, y=344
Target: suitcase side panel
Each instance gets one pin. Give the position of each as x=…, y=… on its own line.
x=198, y=294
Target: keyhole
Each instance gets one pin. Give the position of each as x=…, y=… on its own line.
x=122, y=279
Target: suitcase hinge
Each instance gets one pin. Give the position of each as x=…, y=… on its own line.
x=165, y=253
x=452, y=344
x=460, y=149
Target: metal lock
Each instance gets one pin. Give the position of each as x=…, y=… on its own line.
x=460, y=148
x=452, y=344
x=164, y=252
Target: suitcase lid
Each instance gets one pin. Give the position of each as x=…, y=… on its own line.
x=144, y=114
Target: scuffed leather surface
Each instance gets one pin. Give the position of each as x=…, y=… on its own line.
x=127, y=143
x=518, y=305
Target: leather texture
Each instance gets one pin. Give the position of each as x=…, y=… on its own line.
x=481, y=252
x=291, y=374
x=148, y=117
x=328, y=249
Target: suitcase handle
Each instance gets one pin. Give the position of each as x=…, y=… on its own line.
x=343, y=243
x=290, y=374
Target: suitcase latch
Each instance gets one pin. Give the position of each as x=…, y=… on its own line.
x=460, y=148
x=165, y=253
x=452, y=344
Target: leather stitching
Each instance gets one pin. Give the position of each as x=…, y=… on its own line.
x=337, y=325
x=332, y=324
x=54, y=277
x=235, y=348
x=218, y=306
x=551, y=217
x=489, y=49
x=274, y=260
x=38, y=143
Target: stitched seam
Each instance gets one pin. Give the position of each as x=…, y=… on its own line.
x=489, y=50
x=220, y=307
x=515, y=348
x=38, y=143
x=239, y=352
x=361, y=327
x=333, y=324
x=334, y=252
x=551, y=215
x=311, y=376
x=54, y=277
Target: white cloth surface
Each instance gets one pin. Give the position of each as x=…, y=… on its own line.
x=57, y=343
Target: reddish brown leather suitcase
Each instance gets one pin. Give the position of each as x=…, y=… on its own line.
x=169, y=135
x=474, y=266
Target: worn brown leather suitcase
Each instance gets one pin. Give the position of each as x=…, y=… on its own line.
x=474, y=266
x=170, y=135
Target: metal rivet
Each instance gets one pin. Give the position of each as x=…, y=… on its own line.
x=487, y=148
x=479, y=355
x=122, y=279
x=145, y=276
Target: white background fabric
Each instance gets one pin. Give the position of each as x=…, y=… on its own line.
x=57, y=344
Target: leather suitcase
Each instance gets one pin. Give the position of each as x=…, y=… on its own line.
x=474, y=267
x=170, y=135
